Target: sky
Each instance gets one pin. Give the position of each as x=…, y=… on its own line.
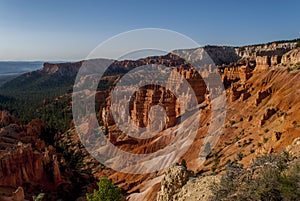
x=60, y=30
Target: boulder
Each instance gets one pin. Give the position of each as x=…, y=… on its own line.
x=175, y=178
x=18, y=195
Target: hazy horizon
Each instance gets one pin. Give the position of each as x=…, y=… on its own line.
x=76, y=60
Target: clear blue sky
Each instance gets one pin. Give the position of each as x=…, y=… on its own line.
x=69, y=30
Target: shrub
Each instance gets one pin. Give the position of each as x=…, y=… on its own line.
x=298, y=43
x=294, y=67
x=183, y=163
x=39, y=197
x=240, y=156
x=294, y=123
x=246, y=143
x=268, y=178
x=106, y=191
x=216, y=160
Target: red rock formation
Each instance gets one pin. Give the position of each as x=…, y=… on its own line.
x=234, y=74
x=234, y=93
x=193, y=78
x=6, y=118
x=69, y=69
x=275, y=60
x=245, y=96
x=56, y=171
x=24, y=165
x=36, y=127
x=18, y=195
x=247, y=90
x=21, y=165
x=265, y=49
x=276, y=136
x=25, y=159
x=267, y=115
x=291, y=57
x=262, y=95
x=262, y=63
x=152, y=95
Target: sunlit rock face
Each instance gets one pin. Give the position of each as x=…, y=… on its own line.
x=148, y=96
x=25, y=160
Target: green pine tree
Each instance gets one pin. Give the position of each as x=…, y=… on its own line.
x=106, y=191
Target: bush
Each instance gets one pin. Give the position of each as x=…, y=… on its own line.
x=269, y=178
x=294, y=124
x=298, y=43
x=294, y=67
x=106, y=191
x=240, y=156
x=246, y=143
x=232, y=122
x=214, y=168
x=183, y=163
x=40, y=197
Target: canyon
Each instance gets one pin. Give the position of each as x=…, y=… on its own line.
x=262, y=100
